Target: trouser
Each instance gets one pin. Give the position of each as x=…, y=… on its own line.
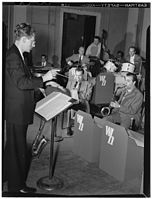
x=15, y=165
x=116, y=118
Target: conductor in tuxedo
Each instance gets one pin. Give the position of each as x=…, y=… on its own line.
x=19, y=108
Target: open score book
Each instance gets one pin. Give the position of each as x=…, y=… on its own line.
x=53, y=104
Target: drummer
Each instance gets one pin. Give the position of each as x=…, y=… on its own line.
x=119, y=59
x=134, y=59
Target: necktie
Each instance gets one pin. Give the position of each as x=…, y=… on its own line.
x=80, y=59
x=77, y=86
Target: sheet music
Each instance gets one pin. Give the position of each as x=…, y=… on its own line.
x=52, y=105
x=74, y=94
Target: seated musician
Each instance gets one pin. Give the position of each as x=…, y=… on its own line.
x=80, y=58
x=44, y=63
x=134, y=59
x=94, y=53
x=129, y=104
x=81, y=90
x=55, y=63
x=119, y=60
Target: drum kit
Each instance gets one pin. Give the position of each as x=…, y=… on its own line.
x=126, y=67
x=119, y=76
x=110, y=66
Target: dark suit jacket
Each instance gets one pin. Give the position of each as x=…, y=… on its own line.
x=75, y=57
x=85, y=90
x=131, y=105
x=19, y=89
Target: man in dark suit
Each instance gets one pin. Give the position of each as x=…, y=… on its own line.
x=80, y=58
x=19, y=108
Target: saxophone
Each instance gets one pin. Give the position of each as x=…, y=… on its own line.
x=39, y=143
x=37, y=149
x=105, y=111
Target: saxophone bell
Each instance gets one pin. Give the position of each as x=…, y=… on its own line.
x=37, y=149
x=105, y=111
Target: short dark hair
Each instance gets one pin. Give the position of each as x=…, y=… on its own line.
x=97, y=37
x=79, y=69
x=43, y=55
x=120, y=52
x=23, y=29
x=134, y=77
x=133, y=48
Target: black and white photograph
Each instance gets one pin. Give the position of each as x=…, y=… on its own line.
x=75, y=99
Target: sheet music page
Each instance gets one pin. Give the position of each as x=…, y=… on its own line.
x=52, y=105
x=74, y=94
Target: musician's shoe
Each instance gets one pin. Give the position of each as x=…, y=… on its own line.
x=27, y=190
x=69, y=131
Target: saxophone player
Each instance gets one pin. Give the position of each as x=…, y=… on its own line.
x=129, y=104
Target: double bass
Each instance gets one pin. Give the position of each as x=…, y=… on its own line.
x=104, y=52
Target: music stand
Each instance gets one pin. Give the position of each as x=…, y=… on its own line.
x=56, y=102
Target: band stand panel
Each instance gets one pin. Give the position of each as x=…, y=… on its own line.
x=104, y=88
x=121, y=154
x=87, y=137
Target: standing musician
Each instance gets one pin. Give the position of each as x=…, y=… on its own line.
x=129, y=104
x=94, y=48
x=19, y=109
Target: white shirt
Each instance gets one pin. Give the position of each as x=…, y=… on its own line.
x=93, y=50
x=132, y=59
x=20, y=53
x=81, y=57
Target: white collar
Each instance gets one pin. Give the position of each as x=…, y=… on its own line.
x=20, y=52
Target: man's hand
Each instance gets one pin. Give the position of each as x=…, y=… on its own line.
x=70, y=63
x=50, y=75
x=51, y=83
x=54, y=84
x=115, y=104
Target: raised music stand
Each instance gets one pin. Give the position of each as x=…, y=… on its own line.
x=56, y=102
